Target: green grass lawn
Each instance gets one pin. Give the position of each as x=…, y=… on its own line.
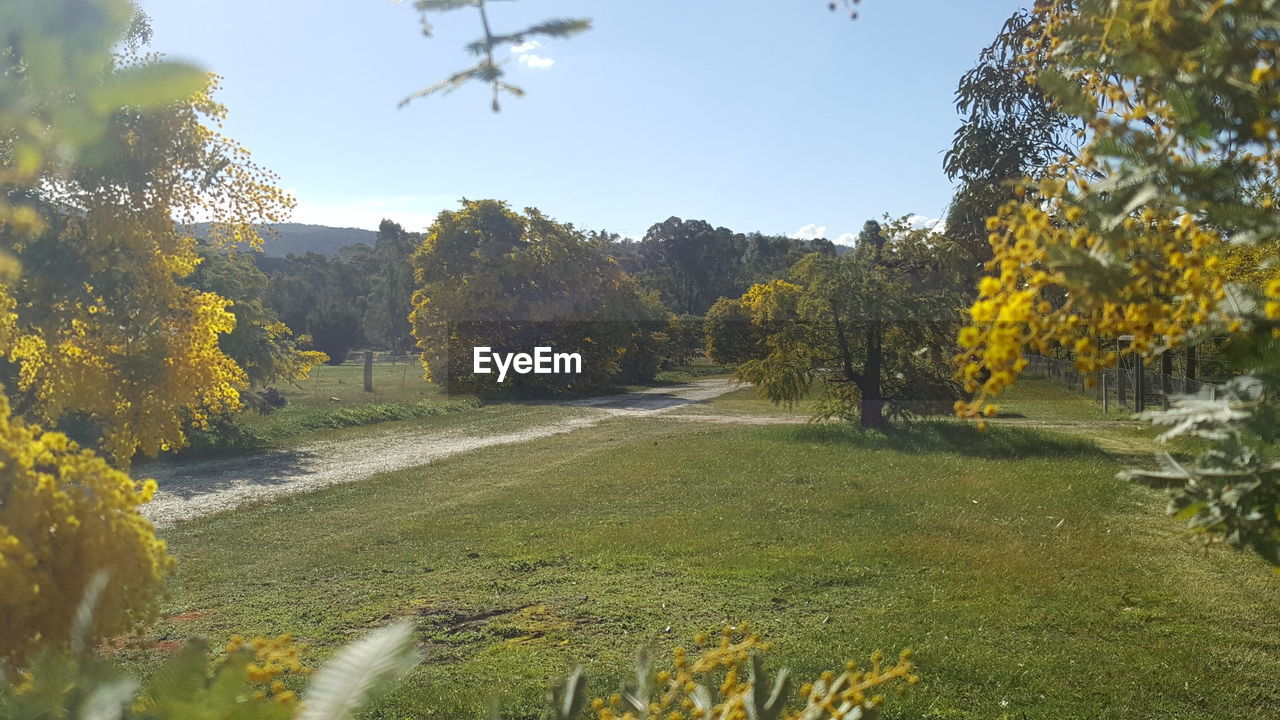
x=333, y=388
x=1045, y=399
x=698, y=369
x=1029, y=581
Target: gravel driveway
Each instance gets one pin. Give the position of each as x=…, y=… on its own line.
x=193, y=488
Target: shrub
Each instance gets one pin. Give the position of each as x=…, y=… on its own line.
x=221, y=434
x=65, y=515
x=371, y=413
x=686, y=340
x=251, y=681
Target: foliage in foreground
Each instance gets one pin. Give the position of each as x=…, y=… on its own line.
x=105, y=152
x=106, y=327
x=488, y=69
x=65, y=515
x=250, y=681
x=1120, y=248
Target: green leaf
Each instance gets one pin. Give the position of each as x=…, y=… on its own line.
x=570, y=696
x=181, y=679
x=764, y=704
x=82, y=624
x=1070, y=96
x=149, y=85
x=359, y=672
x=107, y=701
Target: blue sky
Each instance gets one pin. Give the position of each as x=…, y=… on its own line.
x=770, y=115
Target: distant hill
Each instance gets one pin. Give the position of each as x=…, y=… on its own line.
x=298, y=239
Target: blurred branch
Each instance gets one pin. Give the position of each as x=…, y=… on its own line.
x=489, y=69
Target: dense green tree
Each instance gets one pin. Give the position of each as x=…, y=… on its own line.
x=390, y=298
x=324, y=298
x=1011, y=130
x=685, y=338
x=488, y=276
x=873, y=328
x=263, y=346
x=728, y=334
x=693, y=263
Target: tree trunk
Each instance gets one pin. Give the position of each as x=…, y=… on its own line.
x=871, y=410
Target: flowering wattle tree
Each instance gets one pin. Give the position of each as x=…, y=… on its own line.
x=104, y=153
x=1141, y=233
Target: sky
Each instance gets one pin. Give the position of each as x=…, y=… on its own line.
x=776, y=116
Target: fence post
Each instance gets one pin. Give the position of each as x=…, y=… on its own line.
x=1103, y=385
x=1122, y=381
x=1166, y=378
x=1139, y=385
x=368, y=371
x=1189, y=371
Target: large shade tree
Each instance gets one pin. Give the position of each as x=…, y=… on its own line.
x=693, y=263
x=491, y=277
x=1011, y=130
x=871, y=329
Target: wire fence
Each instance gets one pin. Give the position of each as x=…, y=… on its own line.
x=356, y=357
x=1133, y=385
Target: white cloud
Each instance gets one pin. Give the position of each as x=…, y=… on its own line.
x=526, y=56
x=920, y=222
x=810, y=232
x=537, y=62
x=813, y=231
x=413, y=213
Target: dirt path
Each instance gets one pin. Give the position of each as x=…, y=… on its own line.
x=194, y=488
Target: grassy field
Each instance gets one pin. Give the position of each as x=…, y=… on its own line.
x=334, y=390
x=1030, y=582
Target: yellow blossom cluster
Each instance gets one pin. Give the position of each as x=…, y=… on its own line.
x=682, y=691
x=1127, y=247
x=271, y=662
x=106, y=326
x=65, y=515
x=1051, y=291
x=772, y=303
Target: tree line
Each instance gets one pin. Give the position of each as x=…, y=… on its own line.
x=362, y=296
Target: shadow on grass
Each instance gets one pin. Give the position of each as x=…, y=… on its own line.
x=927, y=436
x=217, y=475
